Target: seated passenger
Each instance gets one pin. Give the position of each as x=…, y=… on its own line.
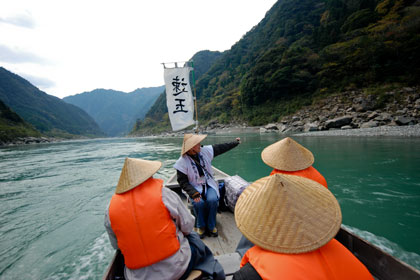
x=195, y=176
x=286, y=157
x=293, y=221
x=153, y=229
x=289, y=157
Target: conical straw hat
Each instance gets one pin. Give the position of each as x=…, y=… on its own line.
x=190, y=140
x=287, y=155
x=288, y=214
x=134, y=172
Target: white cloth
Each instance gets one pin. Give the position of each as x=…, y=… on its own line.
x=179, y=97
x=174, y=266
x=186, y=165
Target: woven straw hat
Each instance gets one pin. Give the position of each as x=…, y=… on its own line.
x=190, y=140
x=287, y=155
x=288, y=214
x=134, y=172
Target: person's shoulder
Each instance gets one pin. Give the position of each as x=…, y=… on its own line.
x=169, y=197
x=207, y=148
x=181, y=158
x=167, y=192
x=180, y=163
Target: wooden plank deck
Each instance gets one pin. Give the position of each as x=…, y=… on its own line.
x=228, y=238
x=223, y=247
x=230, y=263
x=229, y=235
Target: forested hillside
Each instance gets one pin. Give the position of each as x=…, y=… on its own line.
x=48, y=114
x=306, y=48
x=13, y=126
x=115, y=111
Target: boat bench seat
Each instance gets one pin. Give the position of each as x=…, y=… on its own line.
x=230, y=263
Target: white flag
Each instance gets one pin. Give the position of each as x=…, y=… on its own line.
x=179, y=98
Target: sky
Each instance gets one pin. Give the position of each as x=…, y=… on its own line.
x=66, y=47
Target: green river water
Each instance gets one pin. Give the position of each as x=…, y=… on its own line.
x=53, y=196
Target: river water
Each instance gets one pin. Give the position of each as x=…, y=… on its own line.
x=53, y=196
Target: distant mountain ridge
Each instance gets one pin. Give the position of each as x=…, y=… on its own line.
x=48, y=114
x=115, y=111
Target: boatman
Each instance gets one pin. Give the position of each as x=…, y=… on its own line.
x=289, y=157
x=195, y=176
x=153, y=229
x=292, y=221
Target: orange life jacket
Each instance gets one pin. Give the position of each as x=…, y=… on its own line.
x=142, y=224
x=330, y=262
x=310, y=173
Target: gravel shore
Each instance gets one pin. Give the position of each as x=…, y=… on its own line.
x=399, y=131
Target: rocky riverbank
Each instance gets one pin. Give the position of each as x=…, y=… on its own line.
x=28, y=140
x=363, y=112
x=354, y=110
x=399, y=131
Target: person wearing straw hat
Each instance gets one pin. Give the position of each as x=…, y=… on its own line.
x=292, y=221
x=286, y=157
x=153, y=229
x=289, y=157
x=195, y=176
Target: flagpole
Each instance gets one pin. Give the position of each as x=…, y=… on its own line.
x=195, y=98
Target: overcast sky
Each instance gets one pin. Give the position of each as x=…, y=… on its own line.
x=68, y=47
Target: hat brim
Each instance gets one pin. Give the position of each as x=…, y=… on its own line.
x=287, y=155
x=288, y=214
x=135, y=172
x=191, y=141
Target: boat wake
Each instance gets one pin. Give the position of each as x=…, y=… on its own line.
x=91, y=264
x=388, y=246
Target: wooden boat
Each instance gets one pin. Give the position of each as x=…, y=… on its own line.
x=382, y=265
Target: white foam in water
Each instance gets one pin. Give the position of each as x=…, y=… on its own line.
x=92, y=264
x=389, y=247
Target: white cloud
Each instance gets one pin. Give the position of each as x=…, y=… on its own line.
x=15, y=55
x=82, y=45
x=23, y=20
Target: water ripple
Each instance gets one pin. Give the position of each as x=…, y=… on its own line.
x=53, y=197
x=388, y=246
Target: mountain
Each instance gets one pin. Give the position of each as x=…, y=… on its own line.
x=308, y=49
x=13, y=126
x=203, y=60
x=48, y=114
x=116, y=111
x=158, y=113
